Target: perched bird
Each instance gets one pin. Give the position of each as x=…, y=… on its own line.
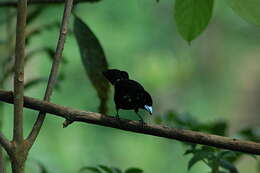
x=129, y=94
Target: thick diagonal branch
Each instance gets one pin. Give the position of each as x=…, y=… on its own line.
x=19, y=71
x=54, y=70
x=134, y=126
x=32, y=2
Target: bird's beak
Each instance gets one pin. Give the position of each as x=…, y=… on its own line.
x=149, y=109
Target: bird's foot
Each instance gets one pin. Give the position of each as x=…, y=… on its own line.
x=142, y=122
x=117, y=118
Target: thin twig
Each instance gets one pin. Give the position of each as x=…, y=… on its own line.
x=54, y=70
x=33, y=2
x=5, y=143
x=2, y=164
x=134, y=126
x=2, y=161
x=19, y=71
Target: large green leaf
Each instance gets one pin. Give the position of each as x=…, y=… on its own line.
x=247, y=9
x=93, y=59
x=192, y=17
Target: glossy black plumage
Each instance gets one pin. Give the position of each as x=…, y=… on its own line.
x=129, y=94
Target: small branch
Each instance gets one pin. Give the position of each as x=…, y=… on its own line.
x=134, y=126
x=19, y=71
x=34, y=2
x=5, y=143
x=2, y=161
x=54, y=70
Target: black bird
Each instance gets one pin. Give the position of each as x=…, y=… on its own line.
x=129, y=94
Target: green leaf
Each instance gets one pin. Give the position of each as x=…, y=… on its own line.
x=228, y=165
x=198, y=156
x=93, y=59
x=192, y=17
x=247, y=9
x=106, y=168
x=134, y=170
x=192, y=148
x=90, y=169
x=213, y=163
x=223, y=154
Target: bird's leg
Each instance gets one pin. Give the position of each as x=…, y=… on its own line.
x=141, y=119
x=117, y=115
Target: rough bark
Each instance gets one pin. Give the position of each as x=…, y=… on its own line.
x=134, y=126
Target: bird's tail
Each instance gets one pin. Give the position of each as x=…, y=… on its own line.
x=114, y=75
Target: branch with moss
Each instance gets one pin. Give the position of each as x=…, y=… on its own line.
x=35, y=2
x=134, y=126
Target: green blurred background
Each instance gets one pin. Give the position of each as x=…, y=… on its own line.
x=216, y=77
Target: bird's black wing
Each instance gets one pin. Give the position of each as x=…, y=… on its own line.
x=131, y=84
x=127, y=94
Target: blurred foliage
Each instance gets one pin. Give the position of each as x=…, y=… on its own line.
x=214, y=158
x=217, y=160
x=252, y=134
x=107, y=169
x=187, y=121
x=93, y=59
x=7, y=65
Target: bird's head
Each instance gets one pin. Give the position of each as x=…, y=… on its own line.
x=114, y=75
